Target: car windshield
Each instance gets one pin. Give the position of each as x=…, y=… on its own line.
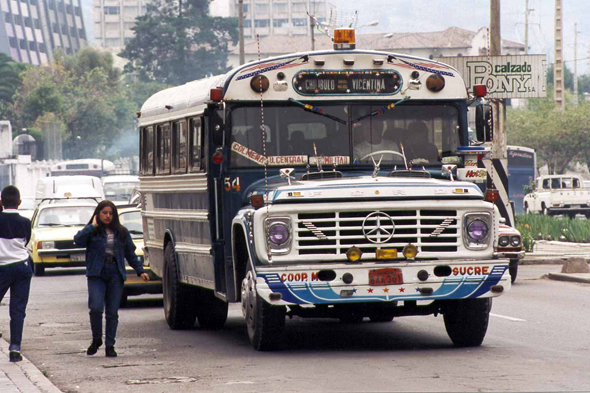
x=294, y=137
x=65, y=216
x=132, y=221
x=120, y=191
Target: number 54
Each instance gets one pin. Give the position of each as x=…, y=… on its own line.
x=232, y=184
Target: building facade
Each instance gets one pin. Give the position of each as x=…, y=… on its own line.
x=278, y=17
x=32, y=30
x=113, y=20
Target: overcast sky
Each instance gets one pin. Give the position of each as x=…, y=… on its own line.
x=432, y=15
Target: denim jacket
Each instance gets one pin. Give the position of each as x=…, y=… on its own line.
x=95, y=244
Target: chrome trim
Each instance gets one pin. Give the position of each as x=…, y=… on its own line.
x=192, y=215
x=64, y=251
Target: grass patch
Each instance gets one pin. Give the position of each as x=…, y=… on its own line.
x=534, y=227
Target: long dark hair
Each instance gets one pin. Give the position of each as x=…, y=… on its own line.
x=115, y=224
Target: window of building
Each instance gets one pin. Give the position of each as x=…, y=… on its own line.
x=261, y=23
x=298, y=7
x=60, y=6
x=261, y=9
x=55, y=27
x=111, y=10
x=81, y=34
x=300, y=22
x=51, y=4
x=36, y=23
x=279, y=7
x=69, y=51
x=42, y=48
x=163, y=149
x=195, y=144
x=18, y=20
x=33, y=2
x=32, y=45
x=7, y=18
x=13, y=42
x=28, y=22
x=64, y=29
x=246, y=8
x=179, y=147
x=127, y=40
x=72, y=30
x=247, y=23
x=69, y=9
x=280, y=22
x=77, y=11
x=23, y=44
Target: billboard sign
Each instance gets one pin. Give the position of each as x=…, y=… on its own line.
x=522, y=76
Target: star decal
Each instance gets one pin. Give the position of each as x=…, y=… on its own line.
x=370, y=290
x=417, y=289
x=354, y=290
x=402, y=289
x=386, y=290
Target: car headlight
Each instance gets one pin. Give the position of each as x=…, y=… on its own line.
x=278, y=231
x=476, y=230
x=515, y=241
x=46, y=245
x=504, y=241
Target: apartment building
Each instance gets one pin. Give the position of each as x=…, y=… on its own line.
x=113, y=20
x=276, y=17
x=32, y=30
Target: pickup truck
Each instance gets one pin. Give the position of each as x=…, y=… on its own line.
x=558, y=194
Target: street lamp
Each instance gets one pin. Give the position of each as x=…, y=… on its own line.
x=370, y=24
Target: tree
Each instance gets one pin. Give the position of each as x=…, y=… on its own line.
x=10, y=80
x=84, y=92
x=178, y=42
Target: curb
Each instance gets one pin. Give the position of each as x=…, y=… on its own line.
x=25, y=375
x=583, y=278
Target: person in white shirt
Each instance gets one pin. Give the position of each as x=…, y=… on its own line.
x=368, y=137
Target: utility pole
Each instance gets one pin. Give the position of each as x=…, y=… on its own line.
x=575, y=64
x=558, y=68
x=526, y=27
x=312, y=25
x=241, y=30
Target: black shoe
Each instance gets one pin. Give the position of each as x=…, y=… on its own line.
x=110, y=351
x=15, y=356
x=94, y=345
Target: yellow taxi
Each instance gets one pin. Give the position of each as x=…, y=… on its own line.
x=54, y=225
x=130, y=218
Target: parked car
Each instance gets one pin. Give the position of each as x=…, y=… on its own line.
x=558, y=194
x=510, y=246
x=118, y=188
x=69, y=186
x=130, y=217
x=53, y=228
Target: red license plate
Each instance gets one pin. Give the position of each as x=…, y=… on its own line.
x=387, y=276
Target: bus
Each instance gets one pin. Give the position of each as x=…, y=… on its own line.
x=522, y=172
x=319, y=184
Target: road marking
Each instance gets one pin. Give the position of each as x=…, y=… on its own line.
x=508, y=318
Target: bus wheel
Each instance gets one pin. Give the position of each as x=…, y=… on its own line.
x=39, y=269
x=179, y=307
x=466, y=321
x=265, y=322
x=212, y=311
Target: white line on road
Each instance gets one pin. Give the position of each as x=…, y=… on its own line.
x=508, y=318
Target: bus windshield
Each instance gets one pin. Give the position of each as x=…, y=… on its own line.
x=295, y=137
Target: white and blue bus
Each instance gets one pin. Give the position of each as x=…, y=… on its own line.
x=318, y=184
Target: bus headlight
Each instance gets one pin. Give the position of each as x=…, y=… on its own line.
x=515, y=241
x=278, y=232
x=504, y=241
x=476, y=230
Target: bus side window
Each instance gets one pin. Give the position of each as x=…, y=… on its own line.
x=577, y=183
x=179, y=139
x=546, y=184
x=163, y=149
x=195, y=144
x=147, y=151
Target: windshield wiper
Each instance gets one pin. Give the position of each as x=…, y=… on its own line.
x=316, y=110
x=382, y=110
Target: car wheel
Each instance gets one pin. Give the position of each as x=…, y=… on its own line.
x=211, y=311
x=466, y=321
x=39, y=269
x=265, y=323
x=545, y=210
x=179, y=305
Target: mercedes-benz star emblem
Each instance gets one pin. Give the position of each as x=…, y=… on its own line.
x=378, y=227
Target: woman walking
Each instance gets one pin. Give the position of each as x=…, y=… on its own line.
x=108, y=244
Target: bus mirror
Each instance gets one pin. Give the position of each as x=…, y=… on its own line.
x=483, y=123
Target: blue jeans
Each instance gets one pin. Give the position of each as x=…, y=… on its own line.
x=104, y=293
x=17, y=278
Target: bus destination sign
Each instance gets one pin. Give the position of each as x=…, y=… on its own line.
x=354, y=82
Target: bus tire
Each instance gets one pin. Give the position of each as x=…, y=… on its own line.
x=39, y=269
x=212, y=311
x=265, y=323
x=179, y=308
x=466, y=321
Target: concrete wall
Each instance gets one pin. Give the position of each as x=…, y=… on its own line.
x=5, y=139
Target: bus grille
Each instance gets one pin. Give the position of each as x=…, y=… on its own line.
x=334, y=233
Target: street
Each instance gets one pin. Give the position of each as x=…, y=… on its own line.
x=537, y=340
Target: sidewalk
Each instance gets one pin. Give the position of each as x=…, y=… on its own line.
x=545, y=253
x=22, y=377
